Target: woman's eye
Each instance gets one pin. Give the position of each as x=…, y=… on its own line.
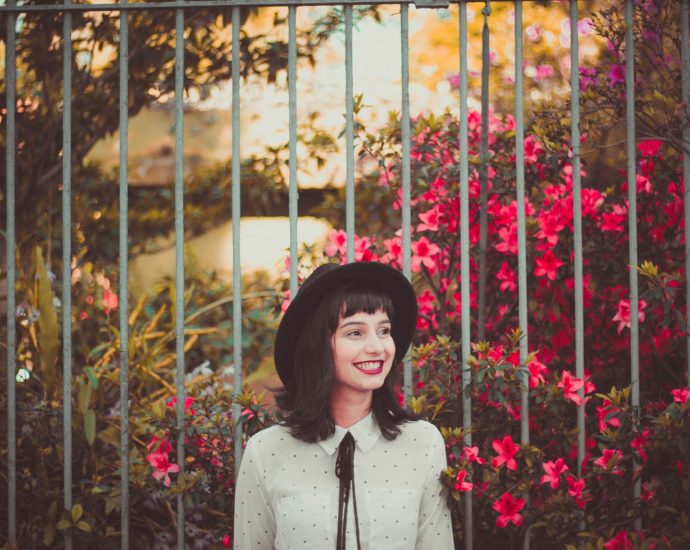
x=385, y=331
x=354, y=333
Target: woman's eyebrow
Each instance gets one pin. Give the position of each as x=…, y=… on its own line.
x=350, y=323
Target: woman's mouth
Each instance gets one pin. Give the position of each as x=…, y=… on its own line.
x=370, y=367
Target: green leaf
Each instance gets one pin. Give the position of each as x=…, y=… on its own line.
x=90, y=426
x=64, y=524
x=84, y=526
x=84, y=398
x=77, y=512
x=48, y=330
x=92, y=377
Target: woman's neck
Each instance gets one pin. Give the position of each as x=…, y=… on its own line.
x=348, y=409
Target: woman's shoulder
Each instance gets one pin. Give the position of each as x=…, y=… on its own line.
x=272, y=436
x=420, y=430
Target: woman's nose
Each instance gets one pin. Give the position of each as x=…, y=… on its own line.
x=374, y=343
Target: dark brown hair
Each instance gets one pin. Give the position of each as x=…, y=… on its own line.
x=304, y=400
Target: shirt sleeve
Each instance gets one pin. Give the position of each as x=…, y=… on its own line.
x=254, y=520
x=435, y=530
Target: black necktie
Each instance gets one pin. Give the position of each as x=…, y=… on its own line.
x=345, y=471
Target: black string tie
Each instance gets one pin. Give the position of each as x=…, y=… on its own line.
x=345, y=471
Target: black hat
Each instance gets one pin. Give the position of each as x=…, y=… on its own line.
x=330, y=277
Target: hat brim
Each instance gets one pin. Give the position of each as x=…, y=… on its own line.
x=373, y=275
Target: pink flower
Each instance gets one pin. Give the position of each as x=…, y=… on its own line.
x=472, y=455
x=337, y=243
x=588, y=78
x=532, y=147
x=508, y=508
x=537, y=370
x=681, y=395
x=604, y=412
x=613, y=221
x=616, y=75
x=159, y=460
x=620, y=542
x=623, y=313
x=547, y=265
x=507, y=277
x=553, y=472
x=550, y=225
x=110, y=300
x=649, y=147
x=576, y=488
x=543, y=72
x=570, y=386
x=460, y=483
x=508, y=236
x=227, y=541
x=170, y=403
x=429, y=220
x=610, y=461
x=506, y=449
x=424, y=254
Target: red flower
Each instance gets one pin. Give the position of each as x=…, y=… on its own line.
x=227, y=542
x=570, y=386
x=110, y=300
x=472, y=455
x=424, y=254
x=429, y=220
x=620, y=542
x=337, y=243
x=170, y=403
x=537, y=370
x=576, y=488
x=509, y=240
x=681, y=395
x=160, y=461
x=610, y=461
x=553, y=472
x=460, y=483
x=507, y=277
x=547, y=265
x=604, y=412
x=640, y=442
x=506, y=449
x=508, y=508
x=623, y=313
x=649, y=147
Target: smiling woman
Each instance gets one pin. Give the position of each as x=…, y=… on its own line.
x=343, y=430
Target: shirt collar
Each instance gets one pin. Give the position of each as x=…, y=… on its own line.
x=366, y=433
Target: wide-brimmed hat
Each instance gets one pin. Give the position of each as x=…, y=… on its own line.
x=330, y=277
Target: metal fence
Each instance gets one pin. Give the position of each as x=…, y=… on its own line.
x=12, y=10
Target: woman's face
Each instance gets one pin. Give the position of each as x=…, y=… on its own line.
x=363, y=351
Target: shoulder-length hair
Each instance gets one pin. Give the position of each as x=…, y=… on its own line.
x=304, y=400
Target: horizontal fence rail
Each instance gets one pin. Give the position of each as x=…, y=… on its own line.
x=10, y=12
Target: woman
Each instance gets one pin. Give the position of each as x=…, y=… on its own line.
x=342, y=430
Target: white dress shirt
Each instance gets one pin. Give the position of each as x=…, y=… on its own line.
x=287, y=491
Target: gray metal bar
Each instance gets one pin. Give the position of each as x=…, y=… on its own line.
x=685, y=79
x=168, y=5
x=484, y=176
x=465, y=260
x=10, y=151
x=236, y=268
x=577, y=227
x=349, y=140
x=66, y=266
x=521, y=222
x=406, y=184
x=179, y=261
x=519, y=113
x=294, y=184
x=124, y=279
x=632, y=225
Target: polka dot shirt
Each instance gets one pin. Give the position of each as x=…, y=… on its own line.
x=287, y=491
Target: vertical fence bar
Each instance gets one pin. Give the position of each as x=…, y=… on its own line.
x=66, y=263
x=484, y=176
x=465, y=259
x=10, y=150
x=519, y=113
x=293, y=187
x=124, y=278
x=349, y=140
x=236, y=268
x=685, y=82
x=577, y=226
x=179, y=260
x=406, y=184
x=632, y=225
x=521, y=222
